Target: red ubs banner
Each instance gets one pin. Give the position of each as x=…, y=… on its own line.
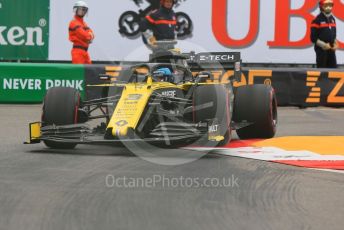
x=283, y=14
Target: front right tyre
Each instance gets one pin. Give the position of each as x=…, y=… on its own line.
x=60, y=107
x=213, y=102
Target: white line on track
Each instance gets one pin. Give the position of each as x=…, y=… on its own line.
x=330, y=170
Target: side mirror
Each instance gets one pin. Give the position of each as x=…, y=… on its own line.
x=203, y=76
x=237, y=71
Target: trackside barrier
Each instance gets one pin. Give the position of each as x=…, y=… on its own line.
x=293, y=86
x=301, y=87
x=28, y=83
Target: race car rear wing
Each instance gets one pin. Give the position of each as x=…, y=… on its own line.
x=214, y=57
x=215, y=61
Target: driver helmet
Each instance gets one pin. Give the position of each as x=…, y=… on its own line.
x=163, y=75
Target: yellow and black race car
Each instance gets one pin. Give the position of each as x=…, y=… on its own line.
x=160, y=102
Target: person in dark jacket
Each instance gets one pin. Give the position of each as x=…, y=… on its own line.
x=159, y=24
x=323, y=35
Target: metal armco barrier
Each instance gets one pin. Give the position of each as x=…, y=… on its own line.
x=27, y=83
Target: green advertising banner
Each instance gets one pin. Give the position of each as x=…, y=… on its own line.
x=24, y=29
x=28, y=83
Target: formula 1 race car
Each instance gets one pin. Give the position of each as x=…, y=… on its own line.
x=162, y=103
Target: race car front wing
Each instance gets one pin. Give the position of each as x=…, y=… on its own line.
x=166, y=132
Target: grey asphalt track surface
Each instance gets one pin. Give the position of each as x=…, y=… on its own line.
x=48, y=189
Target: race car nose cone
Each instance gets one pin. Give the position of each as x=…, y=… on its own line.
x=120, y=132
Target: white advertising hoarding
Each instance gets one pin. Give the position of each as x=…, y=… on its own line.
x=264, y=31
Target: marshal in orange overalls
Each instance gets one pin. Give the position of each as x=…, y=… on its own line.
x=81, y=36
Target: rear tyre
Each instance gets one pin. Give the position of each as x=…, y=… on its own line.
x=256, y=104
x=212, y=101
x=60, y=107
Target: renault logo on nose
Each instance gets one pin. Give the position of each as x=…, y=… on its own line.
x=121, y=123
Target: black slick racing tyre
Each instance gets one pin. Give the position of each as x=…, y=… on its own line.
x=256, y=104
x=212, y=102
x=60, y=107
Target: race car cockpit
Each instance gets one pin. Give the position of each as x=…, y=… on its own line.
x=163, y=75
x=171, y=73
